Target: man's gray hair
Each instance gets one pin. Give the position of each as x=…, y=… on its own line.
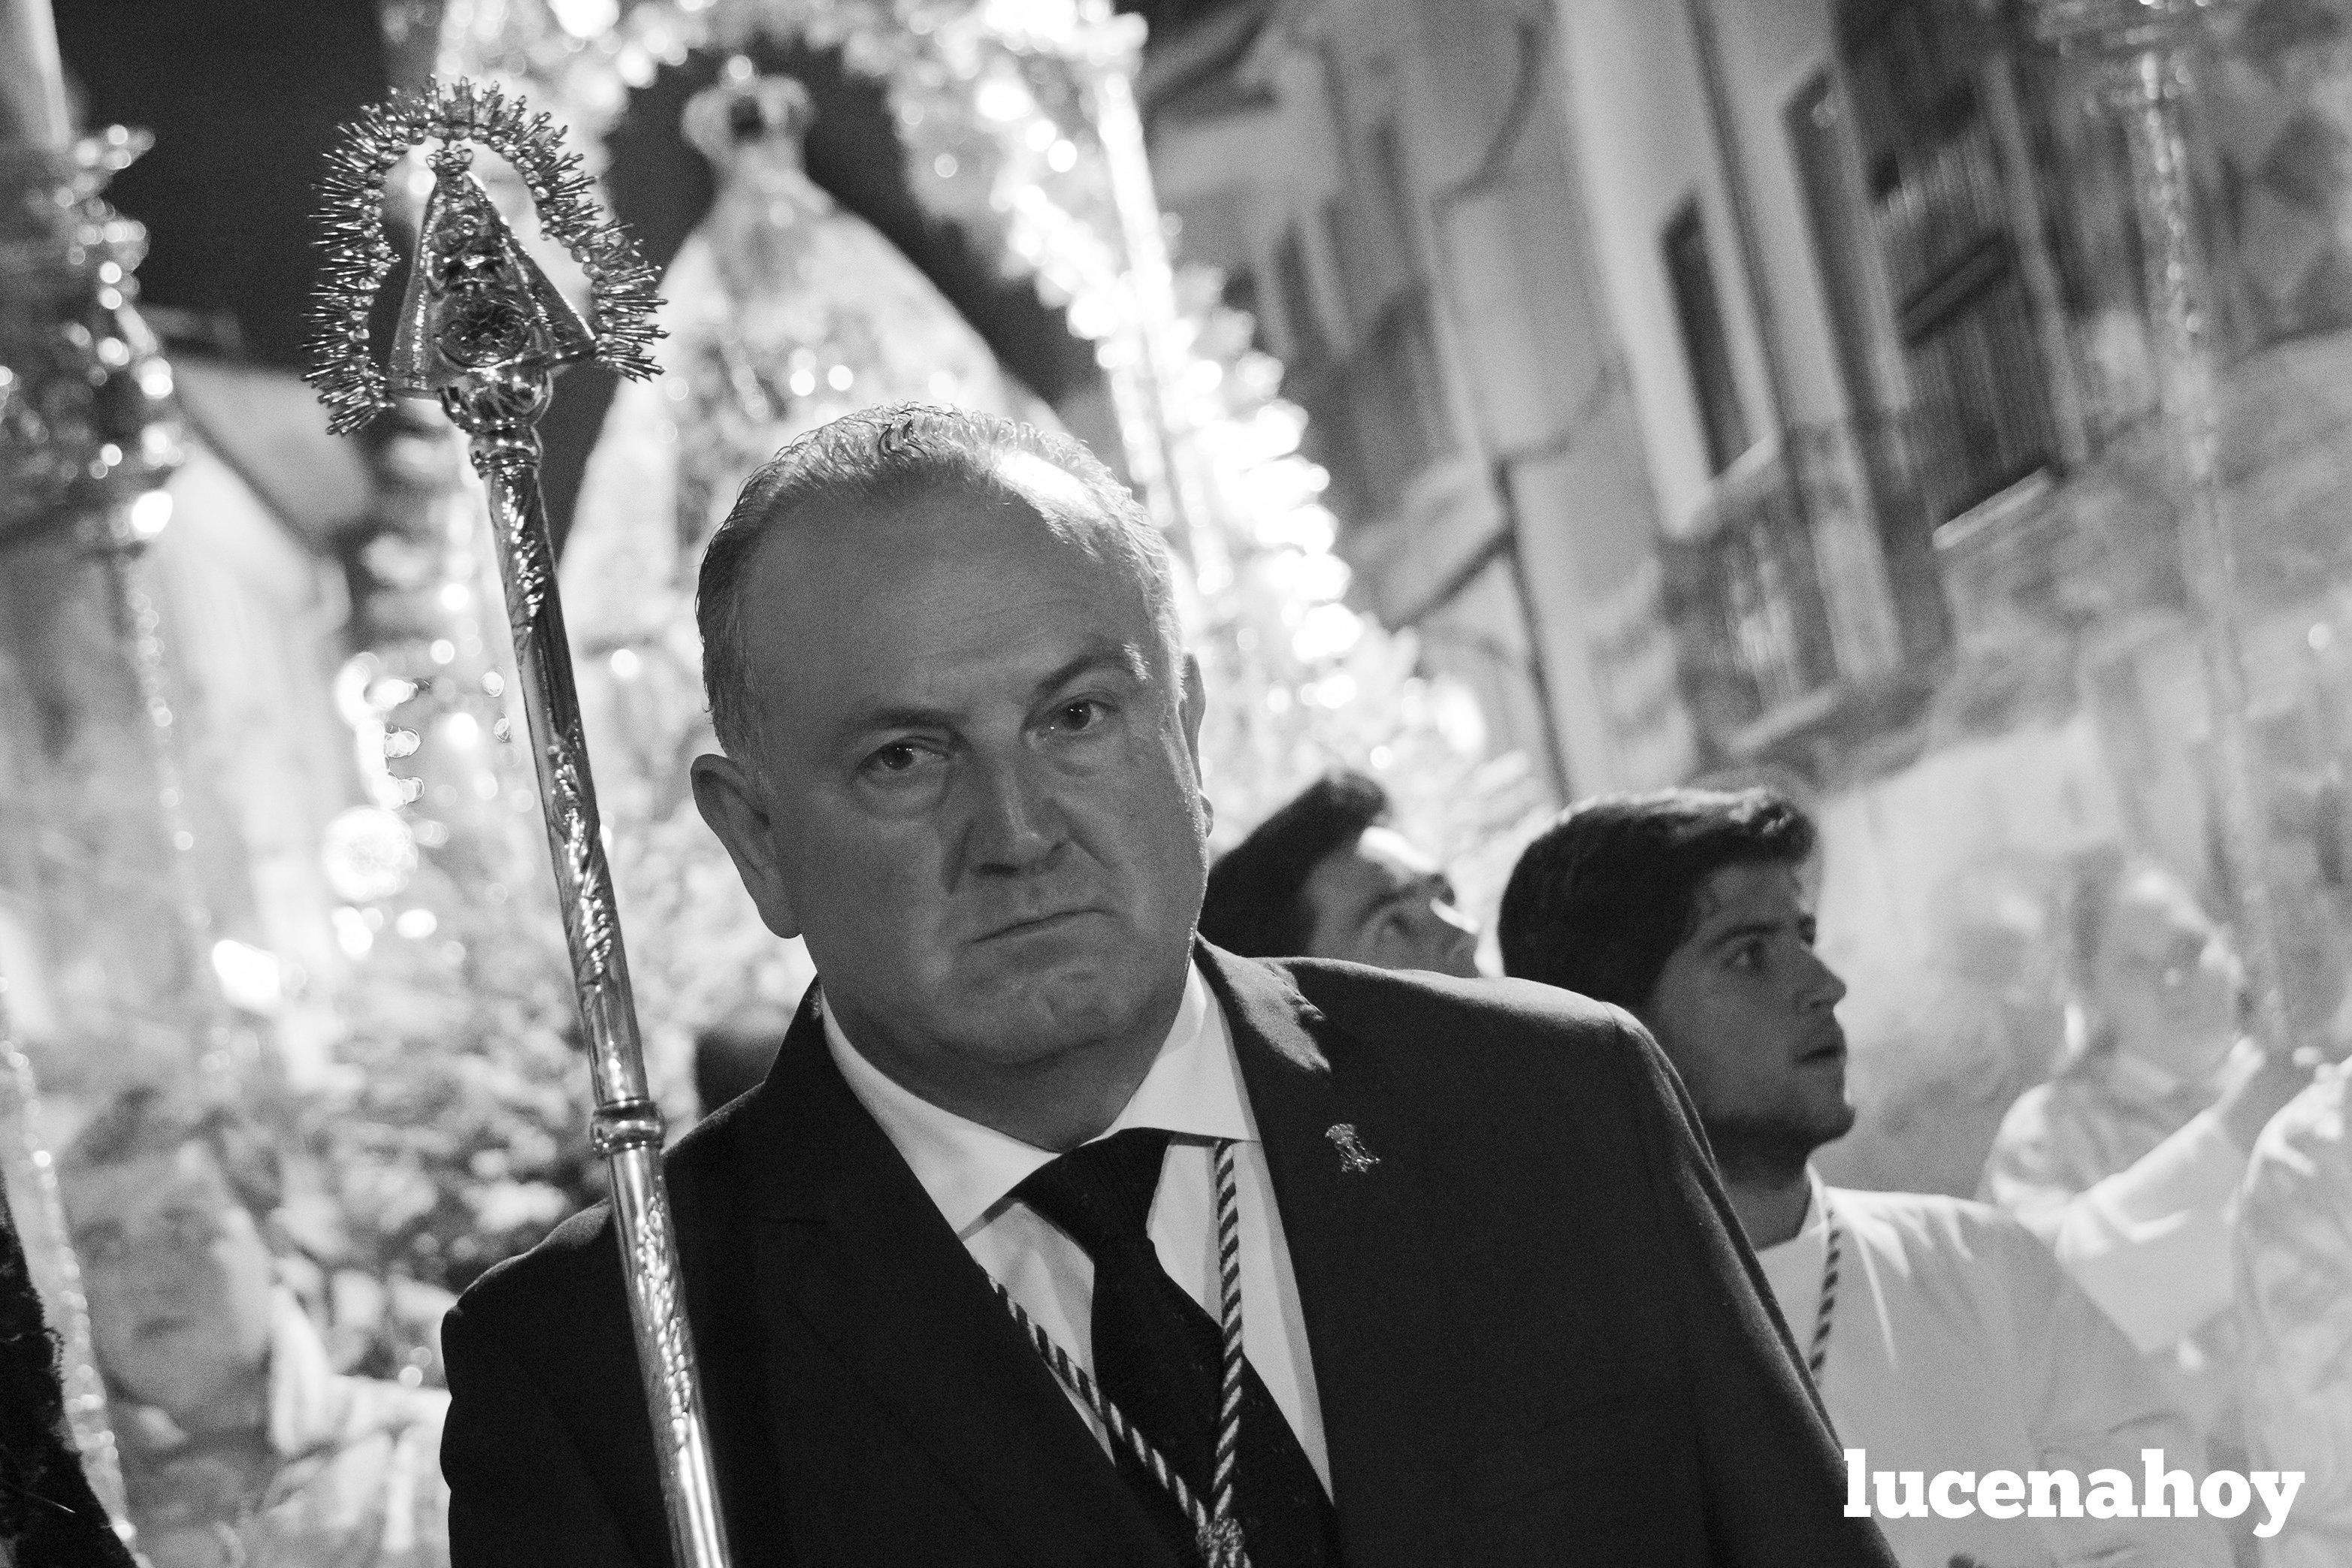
x=878, y=456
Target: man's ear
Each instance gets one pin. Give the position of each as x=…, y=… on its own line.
x=1194, y=704
x=733, y=799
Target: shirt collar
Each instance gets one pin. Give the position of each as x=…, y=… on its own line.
x=2140, y=1079
x=1194, y=1090
x=2141, y=1086
x=1817, y=1205
x=1812, y=1233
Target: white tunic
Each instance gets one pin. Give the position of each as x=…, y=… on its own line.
x=1958, y=1344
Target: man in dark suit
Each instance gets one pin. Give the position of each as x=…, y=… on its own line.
x=1055, y=1237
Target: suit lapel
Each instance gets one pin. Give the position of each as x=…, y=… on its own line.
x=1371, y=1253
x=845, y=1239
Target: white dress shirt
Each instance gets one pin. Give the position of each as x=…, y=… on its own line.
x=1957, y=1343
x=1194, y=1091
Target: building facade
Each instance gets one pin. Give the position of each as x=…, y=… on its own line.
x=1390, y=188
x=1771, y=388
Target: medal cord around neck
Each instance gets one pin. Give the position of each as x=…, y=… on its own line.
x=1218, y=1531
x=1229, y=1320
x=1820, y=1355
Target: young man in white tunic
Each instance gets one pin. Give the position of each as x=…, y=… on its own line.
x=2127, y=1163
x=1945, y=1338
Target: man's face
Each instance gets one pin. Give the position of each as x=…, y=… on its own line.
x=2163, y=981
x=976, y=791
x=1380, y=901
x=180, y=1281
x=1748, y=1016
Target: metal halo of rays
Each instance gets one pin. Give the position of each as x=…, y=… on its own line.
x=360, y=256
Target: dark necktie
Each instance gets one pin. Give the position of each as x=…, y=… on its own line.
x=1157, y=1358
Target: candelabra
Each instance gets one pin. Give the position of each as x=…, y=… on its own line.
x=2143, y=56
x=89, y=436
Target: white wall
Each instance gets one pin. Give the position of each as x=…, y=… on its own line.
x=1521, y=245
x=1769, y=49
x=1529, y=329
x=1638, y=130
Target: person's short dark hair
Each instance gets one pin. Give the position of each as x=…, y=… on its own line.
x=1257, y=900
x=878, y=456
x=1601, y=901
x=149, y=1120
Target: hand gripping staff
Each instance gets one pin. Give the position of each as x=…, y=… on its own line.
x=483, y=330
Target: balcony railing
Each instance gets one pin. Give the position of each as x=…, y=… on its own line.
x=1780, y=595
x=1375, y=419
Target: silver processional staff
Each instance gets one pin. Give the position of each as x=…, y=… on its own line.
x=483, y=330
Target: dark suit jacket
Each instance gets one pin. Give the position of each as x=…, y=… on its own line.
x=1536, y=1335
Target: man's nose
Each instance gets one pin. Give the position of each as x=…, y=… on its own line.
x=1440, y=925
x=1822, y=988
x=1014, y=824
x=1444, y=917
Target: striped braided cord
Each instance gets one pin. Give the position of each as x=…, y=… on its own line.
x=1228, y=1278
x=1827, y=1313
x=1218, y=1531
x=1123, y=1432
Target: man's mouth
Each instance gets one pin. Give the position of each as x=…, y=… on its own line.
x=1035, y=925
x=1830, y=1050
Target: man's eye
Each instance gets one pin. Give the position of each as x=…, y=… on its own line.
x=1082, y=715
x=898, y=759
x=1748, y=955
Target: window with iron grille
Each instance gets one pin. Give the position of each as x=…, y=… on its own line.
x=1943, y=213
x=1378, y=414
x=1706, y=346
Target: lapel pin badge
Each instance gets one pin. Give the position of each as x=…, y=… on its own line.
x=1354, y=1158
